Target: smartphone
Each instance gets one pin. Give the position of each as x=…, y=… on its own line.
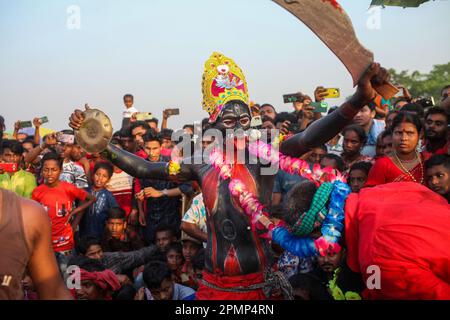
x=65, y=138
x=293, y=97
x=25, y=124
x=142, y=116
x=9, y=167
x=43, y=120
x=333, y=92
x=256, y=122
x=173, y=112
x=320, y=107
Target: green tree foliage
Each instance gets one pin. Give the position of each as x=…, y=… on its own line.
x=424, y=84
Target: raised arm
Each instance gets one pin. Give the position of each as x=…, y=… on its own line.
x=323, y=130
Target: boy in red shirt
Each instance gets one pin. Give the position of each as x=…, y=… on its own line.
x=57, y=197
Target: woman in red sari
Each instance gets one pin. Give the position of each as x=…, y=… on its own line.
x=405, y=163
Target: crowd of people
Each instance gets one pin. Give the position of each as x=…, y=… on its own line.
x=145, y=239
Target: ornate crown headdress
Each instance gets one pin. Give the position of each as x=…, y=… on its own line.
x=223, y=81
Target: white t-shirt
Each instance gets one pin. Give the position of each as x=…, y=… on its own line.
x=128, y=112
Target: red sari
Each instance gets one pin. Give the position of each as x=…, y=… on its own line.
x=385, y=171
x=402, y=229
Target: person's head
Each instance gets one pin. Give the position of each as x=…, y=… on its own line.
x=268, y=110
x=317, y=154
x=332, y=160
x=390, y=118
x=436, y=124
x=365, y=116
x=138, y=130
x=357, y=177
x=298, y=200
x=90, y=247
x=174, y=256
x=103, y=172
x=128, y=100
x=354, y=139
x=400, y=103
x=164, y=235
x=76, y=153
x=152, y=146
x=157, y=278
x=190, y=248
x=166, y=138
x=153, y=123
x=89, y=289
x=235, y=115
x=27, y=145
x=12, y=151
x=286, y=116
x=445, y=92
x=189, y=129
x=386, y=142
x=51, y=168
x=406, y=129
x=21, y=136
x=117, y=222
x=437, y=173
x=379, y=147
x=207, y=139
x=413, y=108
x=126, y=139
x=330, y=261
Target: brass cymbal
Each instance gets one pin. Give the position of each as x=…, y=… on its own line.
x=95, y=132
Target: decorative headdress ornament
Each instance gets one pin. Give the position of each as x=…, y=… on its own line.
x=223, y=81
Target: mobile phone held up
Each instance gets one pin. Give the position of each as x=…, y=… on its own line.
x=43, y=120
x=25, y=124
x=9, y=167
x=65, y=138
x=293, y=97
x=173, y=112
x=320, y=107
x=332, y=93
x=143, y=116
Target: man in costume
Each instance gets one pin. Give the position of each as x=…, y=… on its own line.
x=236, y=255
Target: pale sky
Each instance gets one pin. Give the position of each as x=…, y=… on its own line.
x=156, y=50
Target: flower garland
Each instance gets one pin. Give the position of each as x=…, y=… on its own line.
x=331, y=229
x=294, y=165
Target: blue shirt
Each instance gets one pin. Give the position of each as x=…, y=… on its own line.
x=285, y=181
x=94, y=219
x=369, y=148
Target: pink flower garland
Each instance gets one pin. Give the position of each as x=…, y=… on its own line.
x=248, y=201
x=294, y=165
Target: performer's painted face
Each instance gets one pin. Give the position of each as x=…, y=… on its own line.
x=235, y=115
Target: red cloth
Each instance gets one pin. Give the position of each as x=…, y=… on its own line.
x=404, y=229
x=442, y=150
x=386, y=171
x=53, y=199
x=207, y=293
x=106, y=280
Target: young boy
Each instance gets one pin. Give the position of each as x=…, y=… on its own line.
x=94, y=220
x=191, y=247
x=174, y=258
x=57, y=197
x=118, y=237
x=358, y=175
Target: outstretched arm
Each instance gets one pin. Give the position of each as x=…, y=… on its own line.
x=323, y=130
x=141, y=168
x=132, y=164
